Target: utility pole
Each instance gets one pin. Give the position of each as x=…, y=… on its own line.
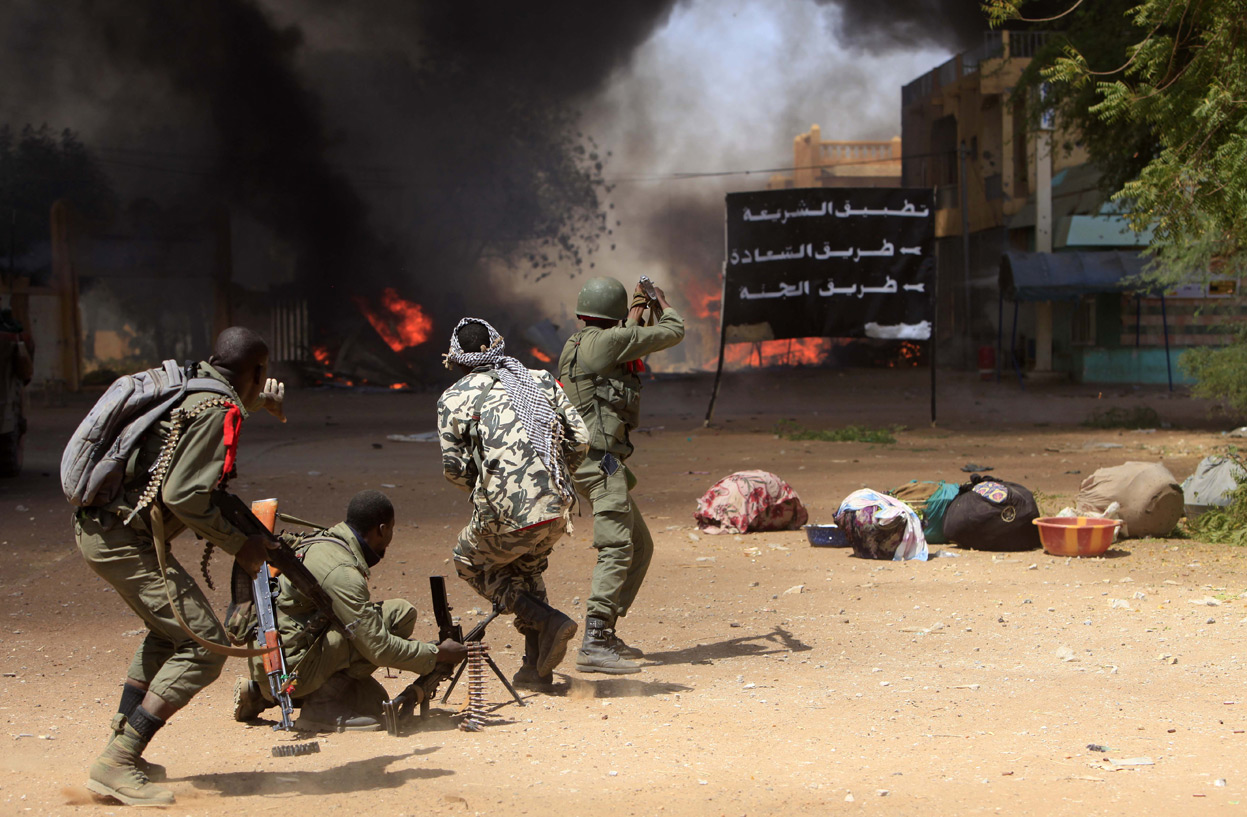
x=1043, y=228
x=964, y=154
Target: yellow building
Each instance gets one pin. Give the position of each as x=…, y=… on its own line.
x=1030, y=193
x=819, y=163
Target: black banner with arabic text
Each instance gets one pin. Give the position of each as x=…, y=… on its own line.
x=830, y=262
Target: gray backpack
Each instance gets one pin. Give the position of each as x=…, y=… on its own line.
x=94, y=463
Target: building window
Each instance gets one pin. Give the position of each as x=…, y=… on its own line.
x=993, y=187
x=1082, y=326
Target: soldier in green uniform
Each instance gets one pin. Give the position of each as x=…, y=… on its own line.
x=333, y=675
x=599, y=369
x=511, y=438
x=169, y=667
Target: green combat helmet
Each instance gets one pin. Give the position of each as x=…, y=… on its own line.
x=603, y=298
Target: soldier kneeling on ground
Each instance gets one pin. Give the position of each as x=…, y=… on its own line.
x=333, y=681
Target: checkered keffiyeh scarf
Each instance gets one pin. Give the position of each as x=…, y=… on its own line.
x=534, y=410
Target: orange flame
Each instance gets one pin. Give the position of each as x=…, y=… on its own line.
x=404, y=325
x=795, y=352
x=540, y=355
x=907, y=356
x=703, y=298
x=321, y=354
x=397, y=386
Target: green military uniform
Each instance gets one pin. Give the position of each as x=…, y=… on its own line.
x=382, y=630
x=519, y=506
x=594, y=369
x=174, y=666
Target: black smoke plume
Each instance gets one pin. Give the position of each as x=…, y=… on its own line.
x=954, y=24
x=387, y=141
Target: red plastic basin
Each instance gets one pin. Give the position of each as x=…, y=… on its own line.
x=1076, y=535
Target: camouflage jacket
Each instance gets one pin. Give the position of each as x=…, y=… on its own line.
x=516, y=490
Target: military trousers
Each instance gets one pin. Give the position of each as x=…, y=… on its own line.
x=332, y=652
x=167, y=660
x=622, y=540
x=502, y=566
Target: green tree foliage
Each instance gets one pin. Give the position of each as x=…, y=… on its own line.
x=1163, y=95
x=37, y=168
x=1098, y=28
x=1220, y=373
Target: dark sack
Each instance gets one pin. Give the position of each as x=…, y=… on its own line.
x=991, y=514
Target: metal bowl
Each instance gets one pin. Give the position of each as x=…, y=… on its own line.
x=826, y=536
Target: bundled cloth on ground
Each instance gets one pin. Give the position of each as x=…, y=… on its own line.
x=1150, y=498
x=930, y=500
x=992, y=514
x=1211, y=485
x=750, y=501
x=881, y=527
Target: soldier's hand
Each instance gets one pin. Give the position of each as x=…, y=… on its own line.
x=274, y=397
x=662, y=297
x=254, y=553
x=451, y=652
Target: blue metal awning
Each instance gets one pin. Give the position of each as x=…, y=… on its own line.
x=1046, y=276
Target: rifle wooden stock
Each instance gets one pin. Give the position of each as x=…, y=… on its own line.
x=280, y=556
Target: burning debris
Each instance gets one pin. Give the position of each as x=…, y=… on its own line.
x=402, y=324
x=379, y=350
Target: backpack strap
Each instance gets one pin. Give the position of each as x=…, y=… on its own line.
x=597, y=381
x=306, y=542
x=474, y=432
x=483, y=393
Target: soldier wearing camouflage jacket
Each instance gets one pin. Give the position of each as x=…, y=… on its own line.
x=493, y=425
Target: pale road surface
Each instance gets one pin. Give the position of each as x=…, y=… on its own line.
x=967, y=685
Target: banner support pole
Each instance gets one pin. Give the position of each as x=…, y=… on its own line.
x=935, y=318
x=718, y=374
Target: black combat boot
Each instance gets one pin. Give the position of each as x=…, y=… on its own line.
x=623, y=649
x=527, y=676
x=554, y=630
x=596, y=654
x=328, y=709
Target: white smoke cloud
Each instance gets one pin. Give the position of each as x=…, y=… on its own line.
x=726, y=85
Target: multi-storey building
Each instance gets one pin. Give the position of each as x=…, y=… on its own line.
x=1030, y=196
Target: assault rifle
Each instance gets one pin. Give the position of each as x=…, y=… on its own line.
x=263, y=591
x=280, y=556
x=422, y=690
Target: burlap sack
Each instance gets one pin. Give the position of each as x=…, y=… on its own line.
x=1150, y=497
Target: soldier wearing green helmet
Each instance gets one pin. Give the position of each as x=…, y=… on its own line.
x=599, y=368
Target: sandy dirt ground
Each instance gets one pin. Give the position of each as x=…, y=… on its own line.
x=964, y=685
